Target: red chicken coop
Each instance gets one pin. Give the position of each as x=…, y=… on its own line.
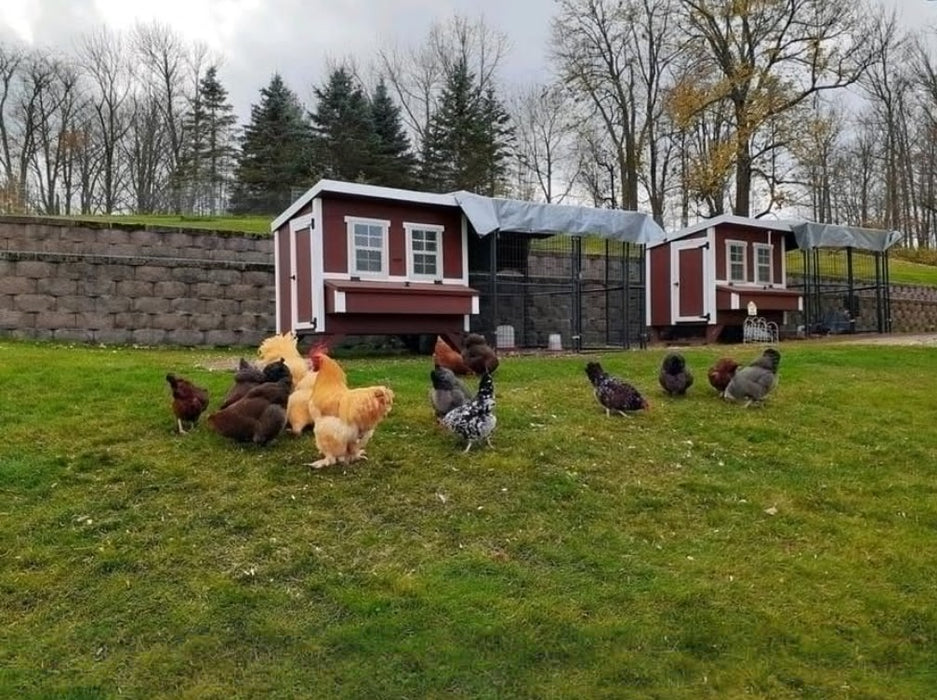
x=354, y=259
x=702, y=279
x=706, y=280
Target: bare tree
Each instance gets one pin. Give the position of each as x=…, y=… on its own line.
x=169, y=74
x=599, y=163
x=615, y=57
x=56, y=103
x=103, y=59
x=11, y=59
x=591, y=47
x=544, y=128
x=816, y=155
x=143, y=151
x=773, y=55
x=923, y=66
x=886, y=83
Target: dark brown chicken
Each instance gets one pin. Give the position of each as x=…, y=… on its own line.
x=478, y=355
x=188, y=401
x=246, y=378
x=721, y=373
x=445, y=356
x=260, y=415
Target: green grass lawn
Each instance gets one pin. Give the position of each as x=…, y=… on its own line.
x=900, y=269
x=698, y=550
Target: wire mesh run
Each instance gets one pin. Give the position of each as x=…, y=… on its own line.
x=588, y=291
x=845, y=290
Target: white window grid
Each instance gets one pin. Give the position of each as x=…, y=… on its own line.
x=367, y=246
x=424, y=250
x=764, y=263
x=737, y=261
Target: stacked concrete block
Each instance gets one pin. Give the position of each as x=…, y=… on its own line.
x=129, y=285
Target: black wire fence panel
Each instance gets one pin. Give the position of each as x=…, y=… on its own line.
x=845, y=290
x=588, y=292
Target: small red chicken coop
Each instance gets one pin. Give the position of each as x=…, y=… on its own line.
x=361, y=259
x=702, y=279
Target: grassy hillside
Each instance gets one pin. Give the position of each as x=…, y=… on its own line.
x=900, y=269
x=697, y=550
x=246, y=224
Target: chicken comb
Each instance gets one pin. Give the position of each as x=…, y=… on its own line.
x=319, y=349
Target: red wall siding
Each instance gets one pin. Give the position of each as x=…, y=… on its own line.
x=335, y=239
x=726, y=232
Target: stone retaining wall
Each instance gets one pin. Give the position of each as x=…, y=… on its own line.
x=122, y=284
x=125, y=284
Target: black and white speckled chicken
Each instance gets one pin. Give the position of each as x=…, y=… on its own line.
x=674, y=376
x=753, y=383
x=613, y=393
x=475, y=421
x=448, y=391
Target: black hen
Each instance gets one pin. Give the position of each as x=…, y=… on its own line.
x=188, y=401
x=674, y=377
x=475, y=420
x=260, y=415
x=448, y=391
x=612, y=393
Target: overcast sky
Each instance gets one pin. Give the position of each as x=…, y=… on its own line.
x=296, y=38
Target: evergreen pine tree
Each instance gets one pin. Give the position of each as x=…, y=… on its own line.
x=193, y=151
x=495, y=139
x=393, y=161
x=219, y=139
x=343, y=137
x=468, y=138
x=274, y=157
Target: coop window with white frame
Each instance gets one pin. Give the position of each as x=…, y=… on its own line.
x=424, y=250
x=367, y=246
x=736, y=267
x=764, y=263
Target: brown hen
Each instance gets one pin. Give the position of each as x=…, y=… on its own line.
x=188, y=401
x=478, y=355
x=721, y=373
x=445, y=356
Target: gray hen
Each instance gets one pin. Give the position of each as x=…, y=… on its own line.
x=755, y=382
x=448, y=391
x=674, y=377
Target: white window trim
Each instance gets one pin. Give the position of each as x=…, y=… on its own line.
x=729, y=245
x=770, y=248
x=408, y=228
x=350, y=222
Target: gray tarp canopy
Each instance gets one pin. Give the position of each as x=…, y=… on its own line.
x=490, y=214
x=810, y=235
